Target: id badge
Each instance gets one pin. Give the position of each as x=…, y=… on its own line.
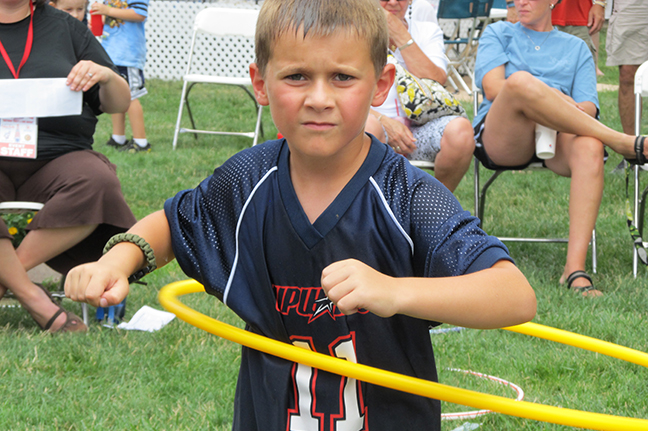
x=18, y=137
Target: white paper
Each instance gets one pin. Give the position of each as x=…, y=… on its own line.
x=148, y=319
x=43, y=97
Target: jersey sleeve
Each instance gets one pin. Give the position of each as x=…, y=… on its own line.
x=448, y=240
x=203, y=221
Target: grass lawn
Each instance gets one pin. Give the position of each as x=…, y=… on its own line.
x=182, y=378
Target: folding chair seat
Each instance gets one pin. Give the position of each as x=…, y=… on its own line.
x=423, y=164
x=473, y=15
x=480, y=197
x=17, y=207
x=640, y=91
x=217, y=36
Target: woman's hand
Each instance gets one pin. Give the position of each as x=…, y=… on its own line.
x=87, y=73
x=399, y=136
x=114, y=92
x=398, y=31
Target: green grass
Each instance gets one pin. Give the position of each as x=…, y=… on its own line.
x=183, y=378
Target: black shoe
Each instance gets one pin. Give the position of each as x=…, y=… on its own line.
x=131, y=147
x=112, y=143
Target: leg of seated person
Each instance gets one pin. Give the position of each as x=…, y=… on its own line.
x=41, y=245
x=457, y=148
x=580, y=158
x=33, y=299
x=525, y=100
x=7, y=193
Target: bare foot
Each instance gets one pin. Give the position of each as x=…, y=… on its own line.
x=42, y=309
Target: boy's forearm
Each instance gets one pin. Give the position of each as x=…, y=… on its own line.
x=123, y=14
x=155, y=230
x=493, y=298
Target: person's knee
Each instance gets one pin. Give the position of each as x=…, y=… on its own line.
x=458, y=139
x=627, y=75
x=524, y=84
x=589, y=155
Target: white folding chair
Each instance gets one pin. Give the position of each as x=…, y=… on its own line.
x=226, y=26
x=480, y=199
x=461, y=44
x=640, y=91
x=22, y=207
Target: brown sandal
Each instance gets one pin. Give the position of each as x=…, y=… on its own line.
x=73, y=323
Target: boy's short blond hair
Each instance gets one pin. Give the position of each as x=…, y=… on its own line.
x=322, y=18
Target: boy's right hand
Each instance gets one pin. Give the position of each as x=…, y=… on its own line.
x=99, y=8
x=97, y=284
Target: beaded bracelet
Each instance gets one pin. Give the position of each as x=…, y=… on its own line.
x=599, y=3
x=143, y=245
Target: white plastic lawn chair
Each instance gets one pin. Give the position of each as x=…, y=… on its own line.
x=218, y=22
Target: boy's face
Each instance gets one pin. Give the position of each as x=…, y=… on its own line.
x=76, y=8
x=320, y=90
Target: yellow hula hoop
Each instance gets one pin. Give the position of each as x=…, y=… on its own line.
x=169, y=299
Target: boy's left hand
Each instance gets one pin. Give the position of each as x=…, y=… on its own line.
x=352, y=285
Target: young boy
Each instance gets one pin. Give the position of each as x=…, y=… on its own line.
x=325, y=239
x=76, y=8
x=125, y=43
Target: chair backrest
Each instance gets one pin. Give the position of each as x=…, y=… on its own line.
x=458, y=9
x=227, y=22
x=641, y=80
x=484, y=8
x=222, y=43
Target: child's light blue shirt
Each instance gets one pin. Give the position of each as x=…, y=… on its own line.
x=124, y=41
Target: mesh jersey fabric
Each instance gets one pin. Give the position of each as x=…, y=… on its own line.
x=243, y=234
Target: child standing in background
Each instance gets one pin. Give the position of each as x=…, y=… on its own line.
x=125, y=43
x=76, y=8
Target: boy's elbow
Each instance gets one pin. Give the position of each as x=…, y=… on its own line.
x=527, y=304
x=529, y=307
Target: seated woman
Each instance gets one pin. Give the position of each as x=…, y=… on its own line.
x=532, y=74
x=448, y=141
x=84, y=205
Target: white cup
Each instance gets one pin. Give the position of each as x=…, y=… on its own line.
x=545, y=142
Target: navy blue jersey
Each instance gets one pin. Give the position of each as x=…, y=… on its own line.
x=243, y=234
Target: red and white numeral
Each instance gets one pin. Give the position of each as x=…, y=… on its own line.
x=350, y=417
